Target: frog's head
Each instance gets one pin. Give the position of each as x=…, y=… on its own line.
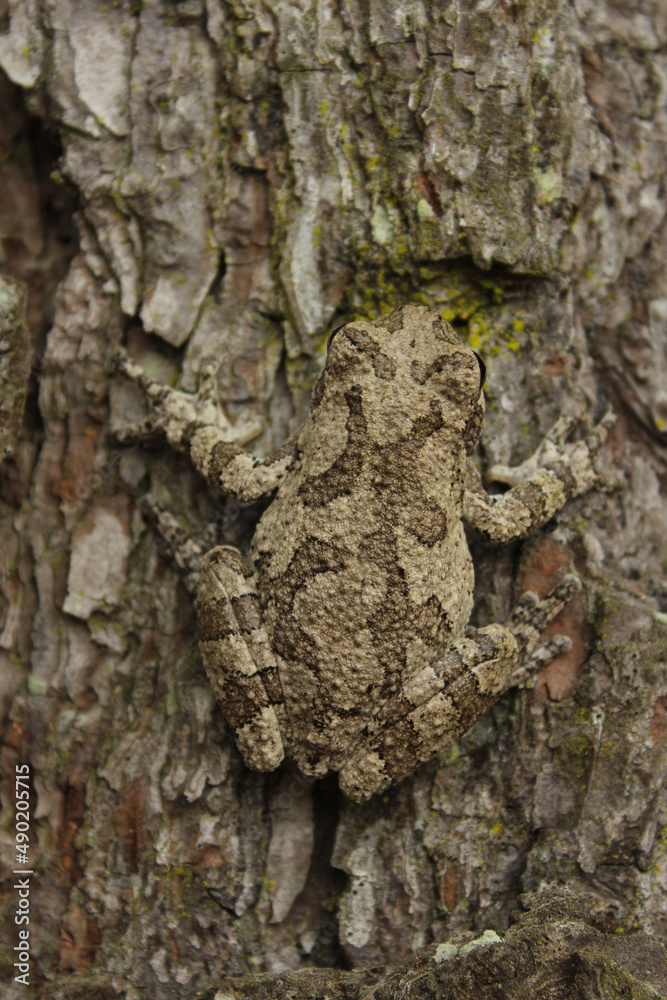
x=407, y=366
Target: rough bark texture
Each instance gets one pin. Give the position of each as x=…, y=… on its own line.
x=245, y=176
x=554, y=949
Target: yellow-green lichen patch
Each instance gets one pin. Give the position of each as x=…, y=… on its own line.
x=445, y=952
x=381, y=227
x=548, y=185
x=493, y=333
x=424, y=210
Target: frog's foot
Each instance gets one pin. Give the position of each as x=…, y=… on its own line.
x=238, y=657
x=185, y=553
x=547, y=451
x=441, y=702
x=195, y=424
x=173, y=413
x=170, y=411
x=430, y=711
x=531, y=616
x=526, y=674
x=576, y=461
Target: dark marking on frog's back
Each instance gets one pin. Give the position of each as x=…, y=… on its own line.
x=383, y=366
x=313, y=557
x=340, y=478
x=392, y=322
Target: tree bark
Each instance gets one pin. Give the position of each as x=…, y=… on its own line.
x=244, y=177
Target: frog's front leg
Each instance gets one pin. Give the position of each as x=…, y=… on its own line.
x=541, y=486
x=185, y=423
x=238, y=657
x=442, y=701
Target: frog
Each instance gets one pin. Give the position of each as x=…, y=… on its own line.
x=343, y=644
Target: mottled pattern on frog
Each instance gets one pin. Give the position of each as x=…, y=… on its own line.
x=373, y=570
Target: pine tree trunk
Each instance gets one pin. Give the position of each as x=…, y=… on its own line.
x=245, y=176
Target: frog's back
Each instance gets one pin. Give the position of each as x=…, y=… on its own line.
x=362, y=566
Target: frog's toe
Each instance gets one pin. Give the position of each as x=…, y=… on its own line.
x=364, y=775
x=259, y=740
x=526, y=674
x=529, y=618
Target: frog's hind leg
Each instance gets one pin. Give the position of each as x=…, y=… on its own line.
x=235, y=648
x=430, y=711
x=239, y=659
x=443, y=700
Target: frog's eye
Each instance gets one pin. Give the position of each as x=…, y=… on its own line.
x=482, y=371
x=333, y=334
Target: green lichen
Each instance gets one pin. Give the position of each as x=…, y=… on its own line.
x=490, y=332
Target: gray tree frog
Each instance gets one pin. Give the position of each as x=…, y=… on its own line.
x=344, y=647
